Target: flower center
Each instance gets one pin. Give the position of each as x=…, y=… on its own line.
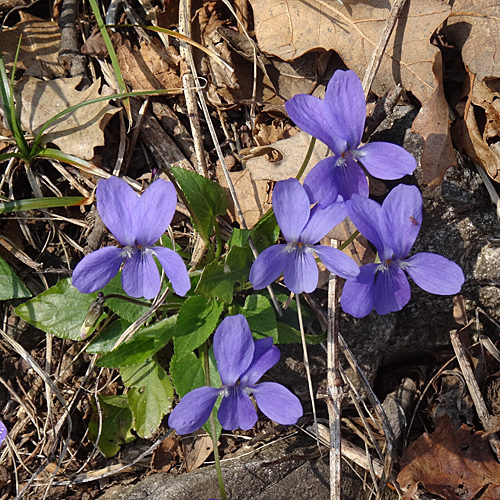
x=299, y=246
x=341, y=161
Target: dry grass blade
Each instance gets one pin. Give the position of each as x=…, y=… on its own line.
x=48, y=381
x=475, y=392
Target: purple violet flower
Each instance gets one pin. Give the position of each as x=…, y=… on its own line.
x=3, y=432
x=339, y=122
x=137, y=223
x=393, y=228
x=302, y=228
x=241, y=362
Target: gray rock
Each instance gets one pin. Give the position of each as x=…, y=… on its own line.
x=280, y=471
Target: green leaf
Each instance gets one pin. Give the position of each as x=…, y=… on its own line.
x=217, y=280
x=198, y=318
x=207, y=198
x=215, y=284
x=260, y=316
x=123, y=308
x=107, y=338
x=238, y=263
x=289, y=335
x=116, y=424
x=60, y=310
x=151, y=397
x=11, y=287
x=265, y=233
x=146, y=342
x=128, y=354
x=239, y=237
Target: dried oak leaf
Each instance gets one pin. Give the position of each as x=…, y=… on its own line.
x=290, y=156
x=474, y=27
x=477, y=131
x=452, y=463
x=252, y=195
x=76, y=133
x=290, y=28
x=152, y=66
x=166, y=455
x=433, y=124
x=197, y=450
x=38, y=53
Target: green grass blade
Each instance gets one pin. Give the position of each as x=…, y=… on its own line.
x=10, y=109
x=34, y=149
x=8, y=156
x=38, y=203
x=112, y=54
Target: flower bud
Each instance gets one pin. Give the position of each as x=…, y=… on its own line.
x=92, y=317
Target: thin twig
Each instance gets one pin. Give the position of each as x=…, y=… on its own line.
x=334, y=383
x=475, y=392
x=188, y=83
x=306, y=365
x=378, y=53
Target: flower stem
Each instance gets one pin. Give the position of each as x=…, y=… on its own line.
x=306, y=158
x=349, y=240
x=213, y=431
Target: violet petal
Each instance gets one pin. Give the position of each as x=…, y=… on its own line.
x=268, y=266
x=345, y=107
x=140, y=276
x=233, y=348
x=175, y=269
x=3, y=432
x=358, y=295
x=365, y=215
x=308, y=113
x=337, y=262
x=236, y=410
x=385, y=160
x=349, y=178
x=401, y=219
x=301, y=271
x=392, y=289
x=291, y=207
x=265, y=357
x=434, y=273
x=320, y=182
x=96, y=269
x=322, y=220
x=154, y=212
x=116, y=204
x=193, y=410
x=277, y=403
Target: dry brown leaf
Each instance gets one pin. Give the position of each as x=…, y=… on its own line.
x=76, y=133
x=166, y=454
x=290, y=28
x=197, y=450
x=453, y=463
x=479, y=142
x=39, y=46
x=474, y=27
x=252, y=195
x=433, y=124
x=150, y=67
x=291, y=155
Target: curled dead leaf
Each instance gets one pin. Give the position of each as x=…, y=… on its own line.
x=453, y=463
